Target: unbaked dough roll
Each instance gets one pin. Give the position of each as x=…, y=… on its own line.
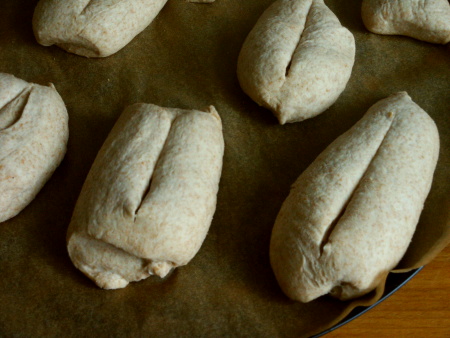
x=297, y=59
x=150, y=195
x=33, y=139
x=427, y=20
x=350, y=216
x=92, y=28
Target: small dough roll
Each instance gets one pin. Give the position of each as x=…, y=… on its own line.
x=149, y=198
x=426, y=20
x=33, y=139
x=92, y=28
x=350, y=216
x=297, y=59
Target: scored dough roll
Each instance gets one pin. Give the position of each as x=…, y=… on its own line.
x=427, y=20
x=150, y=195
x=33, y=138
x=92, y=28
x=296, y=60
x=350, y=216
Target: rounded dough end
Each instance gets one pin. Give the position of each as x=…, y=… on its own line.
x=110, y=281
x=160, y=269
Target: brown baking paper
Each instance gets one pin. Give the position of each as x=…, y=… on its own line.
x=187, y=59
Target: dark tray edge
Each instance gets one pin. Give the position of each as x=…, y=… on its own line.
x=393, y=283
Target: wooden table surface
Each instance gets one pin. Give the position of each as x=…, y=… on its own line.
x=421, y=308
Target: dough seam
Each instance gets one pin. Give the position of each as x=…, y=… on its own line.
x=301, y=36
x=150, y=180
x=83, y=11
x=335, y=223
x=26, y=91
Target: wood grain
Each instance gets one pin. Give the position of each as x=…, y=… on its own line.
x=419, y=309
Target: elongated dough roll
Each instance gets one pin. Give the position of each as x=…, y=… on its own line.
x=427, y=20
x=350, y=216
x=92, y=28
x=150, y=195
x=297, y=59
x=33, y=138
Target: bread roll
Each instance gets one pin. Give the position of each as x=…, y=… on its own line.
x=150, y=195
x=33, y=139
x=424, y=20
x=297, y=59
x=350, y=216
x=92, y=28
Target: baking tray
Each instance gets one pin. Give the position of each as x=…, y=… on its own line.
x=187, y=59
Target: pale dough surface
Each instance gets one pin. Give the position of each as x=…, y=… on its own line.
x=427, y=20
x=92, y=28
x=149, y=198
x=350, y=216
x=33, y=138
x=297, y=59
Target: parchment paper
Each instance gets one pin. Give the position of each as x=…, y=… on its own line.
x=187, y=59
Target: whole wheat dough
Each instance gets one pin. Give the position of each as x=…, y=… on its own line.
x=350, y=216
x=424, y=20
x=92, y=28
x=33, y=138
x=297, y=59
x=150, y=195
